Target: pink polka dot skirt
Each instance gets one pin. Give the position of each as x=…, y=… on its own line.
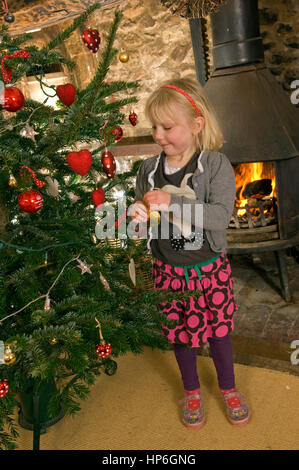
x=202, y=315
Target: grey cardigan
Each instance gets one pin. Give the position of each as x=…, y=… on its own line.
x=215, y=188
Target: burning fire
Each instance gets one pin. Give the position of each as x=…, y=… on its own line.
x=246, y=173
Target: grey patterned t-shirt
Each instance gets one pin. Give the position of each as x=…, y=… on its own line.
x=175, y=249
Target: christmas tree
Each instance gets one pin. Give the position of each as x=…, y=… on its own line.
x=68, y=304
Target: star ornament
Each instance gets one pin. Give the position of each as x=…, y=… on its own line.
x=29, y=132
x=85, y=268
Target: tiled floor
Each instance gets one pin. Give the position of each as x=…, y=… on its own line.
x=265, y=324
x=263, y=313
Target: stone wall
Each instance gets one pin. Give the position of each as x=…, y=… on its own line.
x=158, y=44
x=160, y=47
x=279, y=24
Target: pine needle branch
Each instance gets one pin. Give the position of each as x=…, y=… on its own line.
x=108, y=54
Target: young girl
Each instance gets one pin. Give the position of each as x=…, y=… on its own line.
x=190, y=173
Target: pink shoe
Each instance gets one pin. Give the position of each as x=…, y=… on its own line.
x=236, y=409
x=193, y=415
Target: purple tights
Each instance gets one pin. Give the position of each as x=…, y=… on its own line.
x=222, y=354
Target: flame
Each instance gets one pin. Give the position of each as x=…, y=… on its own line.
x=246, y=173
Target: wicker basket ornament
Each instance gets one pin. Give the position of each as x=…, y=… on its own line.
x=193, y=8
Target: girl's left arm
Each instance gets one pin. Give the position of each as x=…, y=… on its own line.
x=217, y=211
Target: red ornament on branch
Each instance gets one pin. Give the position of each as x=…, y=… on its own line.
x=133, y=118
x=12, y=99
x=38, y=182
x=98, y=196
x=103, y=349
x=117, y=132
x=91, y=39
x=31, y=201
x=80, y=162
x=4, y=387
x=6, y=73
x=66, y=93
x=108, y=163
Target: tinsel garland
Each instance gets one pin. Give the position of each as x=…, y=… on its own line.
x=193, y=8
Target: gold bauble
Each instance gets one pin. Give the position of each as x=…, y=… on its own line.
x=124, y=56
x=53, y=341
x=154, y=218
x=12, y=181
x=9, y=356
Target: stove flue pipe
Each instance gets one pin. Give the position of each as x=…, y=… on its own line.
x=236, y=34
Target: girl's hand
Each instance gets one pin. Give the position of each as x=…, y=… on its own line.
x=138, y=212
x=157, y=200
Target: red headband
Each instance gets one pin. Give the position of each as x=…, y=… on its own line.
x=191, y=100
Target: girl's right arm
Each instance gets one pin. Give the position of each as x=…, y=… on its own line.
x=140, y=188
x=138, y=211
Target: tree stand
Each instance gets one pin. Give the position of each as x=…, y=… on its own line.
x=33, y=413
x=34, y=403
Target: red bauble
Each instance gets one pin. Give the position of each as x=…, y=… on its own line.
x=133, y=119
x=108, y=163
x=12, y=99
x=31, y=201
x=80, y=162
x=104, y=350
x=91, y=39
x=98, y=196
x=117, y=132
x=66, y=93
x=4, y=387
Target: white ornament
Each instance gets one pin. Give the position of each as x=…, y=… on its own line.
x=104, y=282
x=132, y=271
x=52, y=188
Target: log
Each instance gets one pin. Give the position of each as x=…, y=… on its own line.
x=258, y=188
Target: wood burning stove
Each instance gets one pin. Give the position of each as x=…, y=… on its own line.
x=260, y=127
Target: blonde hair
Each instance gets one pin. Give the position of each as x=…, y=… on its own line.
x=163, y=100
